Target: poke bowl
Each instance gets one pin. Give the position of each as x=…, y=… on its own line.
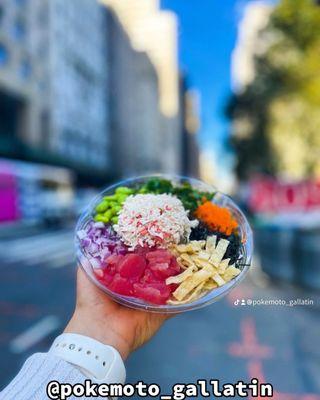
x=164, y=243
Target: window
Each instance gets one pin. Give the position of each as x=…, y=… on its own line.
x=42, y=86
x=19, y=29
x=45, y=128
x=4, y=55
x=1, y=13
x=25, y=69
x=42, y=50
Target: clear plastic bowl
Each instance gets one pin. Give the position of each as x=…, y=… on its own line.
x=221, y=199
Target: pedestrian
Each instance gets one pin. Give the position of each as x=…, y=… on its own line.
x=98, y=339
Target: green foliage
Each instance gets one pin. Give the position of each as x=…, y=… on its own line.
x=190, y=197
x=278, y=113
x=158, y=186
x=298, y=20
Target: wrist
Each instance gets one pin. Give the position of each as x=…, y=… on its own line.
x=84, y=323
x=98, y=362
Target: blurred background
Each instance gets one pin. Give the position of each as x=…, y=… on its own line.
x=92, y=92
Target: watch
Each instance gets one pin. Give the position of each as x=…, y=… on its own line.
x=97, y=361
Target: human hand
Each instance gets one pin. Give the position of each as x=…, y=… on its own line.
x=100, y=318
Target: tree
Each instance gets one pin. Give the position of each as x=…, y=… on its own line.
x=276, y=119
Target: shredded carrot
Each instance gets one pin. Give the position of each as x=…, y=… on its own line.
x=217, y=218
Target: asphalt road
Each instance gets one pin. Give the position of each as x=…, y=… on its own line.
x=226, y=341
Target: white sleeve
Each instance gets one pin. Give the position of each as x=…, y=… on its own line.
x=39, y=369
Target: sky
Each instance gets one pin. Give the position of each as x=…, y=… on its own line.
x=207, y=34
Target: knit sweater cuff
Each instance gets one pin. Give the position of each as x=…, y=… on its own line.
x=39, y=369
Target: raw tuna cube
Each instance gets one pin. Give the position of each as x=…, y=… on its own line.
x=155, y=293
x=164, y=270
x=98, y=272
x=160, y=270
x=112, y=263
x=132, y=266
x=113, y=259
x=160, y=256
x=106, y=279
x=148, y=277
x=164, y=289
x=174, y=266
x=121, y=285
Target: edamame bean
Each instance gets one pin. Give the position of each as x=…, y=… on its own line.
x=110, y=198
x=102, y=207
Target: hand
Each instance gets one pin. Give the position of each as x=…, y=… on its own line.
x=100, y=318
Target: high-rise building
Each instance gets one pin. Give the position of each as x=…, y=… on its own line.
x=249, y=43
x=79, y=73
x=53, y=81
x=78, y=92
x=154, y=32
x=134, y=110
x=190, y=120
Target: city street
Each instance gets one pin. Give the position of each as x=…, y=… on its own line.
x=276, y=344
x=180, y=116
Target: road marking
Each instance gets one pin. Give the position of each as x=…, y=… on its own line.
x=58, y=260
x=50, y=255
x=62, y=262
x=249, y=347
x=23, y=244
x=34, y=334
x=37, y=244
x=52, y=250
x=41, y=254
x=255, y=370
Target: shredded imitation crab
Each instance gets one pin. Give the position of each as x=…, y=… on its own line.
x=149, y=220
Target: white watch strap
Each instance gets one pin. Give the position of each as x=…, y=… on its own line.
x=99, y=362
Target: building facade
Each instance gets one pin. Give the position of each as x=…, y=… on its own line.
x=190, y=121
x=79, y=76
x=153, y=32
x=134, y=112
x=53, y=80
x=91, y=86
